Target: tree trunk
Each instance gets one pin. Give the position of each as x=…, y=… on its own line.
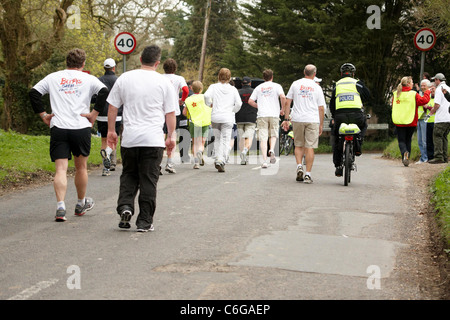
x=21, y=55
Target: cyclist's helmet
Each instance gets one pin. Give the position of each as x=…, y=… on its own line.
x=348, y=68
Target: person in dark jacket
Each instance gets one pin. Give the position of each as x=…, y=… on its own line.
x=246, y=120
x=109, y=156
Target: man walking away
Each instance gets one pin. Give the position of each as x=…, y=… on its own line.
x=266, y=98
x=148, y=100
x=109, y=158
x=307, y=119
x=246, y=120
x=70, y=122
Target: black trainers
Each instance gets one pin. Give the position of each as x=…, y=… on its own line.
x=88, y=205
x=106, y=159
x=405, y=159
x=307, y=179
x=436, y=161
x=150, y=229
x=170, y=168
x=60, y=215
x=125, y=218
x=220, y=166
x=338, y=171
x=299, y=174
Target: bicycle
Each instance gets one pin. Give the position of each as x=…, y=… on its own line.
x=286, y=141
x=348, y=132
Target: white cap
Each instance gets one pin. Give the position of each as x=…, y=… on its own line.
x=109, y=63
x=317, y=79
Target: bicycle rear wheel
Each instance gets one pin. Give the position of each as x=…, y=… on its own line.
x=282, y=142
x=347, y=163
x=289, y=145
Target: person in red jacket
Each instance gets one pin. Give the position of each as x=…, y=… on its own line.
x=405, y=115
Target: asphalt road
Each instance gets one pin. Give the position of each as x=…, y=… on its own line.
x=247, y=233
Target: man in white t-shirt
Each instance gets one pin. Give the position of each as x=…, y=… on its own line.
x=266, y=98
x=441, y=121
x=180, y=85
x=307, y=119
x=70, y=125
x=148, y=100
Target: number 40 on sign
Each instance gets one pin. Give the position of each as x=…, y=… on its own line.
x=425, y=39
x=125, y=43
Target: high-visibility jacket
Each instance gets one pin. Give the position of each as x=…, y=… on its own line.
x=347, y=96
x=404, y=107
x=431, y=104
x=199, y=112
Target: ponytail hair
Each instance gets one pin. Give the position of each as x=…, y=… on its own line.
x=403, y=83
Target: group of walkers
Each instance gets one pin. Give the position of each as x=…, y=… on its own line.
x=427, y=109
x=147, y=109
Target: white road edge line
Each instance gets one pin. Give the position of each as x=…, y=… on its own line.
x=28, y=293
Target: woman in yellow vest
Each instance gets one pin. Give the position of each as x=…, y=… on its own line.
x=430, y=123
x=200, y=119
x=405, y=114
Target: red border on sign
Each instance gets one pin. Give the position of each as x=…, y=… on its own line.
x=415, y=38
x=120, y=51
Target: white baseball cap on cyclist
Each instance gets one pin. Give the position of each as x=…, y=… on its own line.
x=317, y=79
x=109, y=63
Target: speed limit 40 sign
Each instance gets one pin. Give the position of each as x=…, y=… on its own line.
x=125, y=43
x=425, y=39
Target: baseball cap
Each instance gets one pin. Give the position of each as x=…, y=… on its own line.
x=246, y=80
x=439, y=76
x=317, y=79
x=109, y=63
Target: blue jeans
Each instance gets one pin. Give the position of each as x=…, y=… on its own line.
x=422, y=139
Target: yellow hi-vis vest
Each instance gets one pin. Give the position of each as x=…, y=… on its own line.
x=404, y=107
x=199, y=112
x=347, y=96
x=431, y=104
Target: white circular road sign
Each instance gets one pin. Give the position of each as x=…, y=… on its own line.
x=425, y=39
x=125, y=43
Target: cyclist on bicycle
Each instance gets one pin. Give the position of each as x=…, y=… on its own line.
x=346, y=106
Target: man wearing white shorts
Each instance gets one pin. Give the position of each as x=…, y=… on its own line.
x=266, y=98
x=307, y=119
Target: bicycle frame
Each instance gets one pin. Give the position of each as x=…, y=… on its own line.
x=348, y=132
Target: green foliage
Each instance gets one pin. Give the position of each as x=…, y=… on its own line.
x=25, y=154
x=187, y=31
x=441, y=201
x=392, y=150
x=287, y=35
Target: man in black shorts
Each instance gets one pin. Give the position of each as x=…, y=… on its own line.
x=70, y=122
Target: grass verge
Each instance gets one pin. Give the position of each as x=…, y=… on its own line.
x=24, y=156
x=440, y=189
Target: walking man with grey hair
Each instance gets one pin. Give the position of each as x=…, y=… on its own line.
x=307, y=120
